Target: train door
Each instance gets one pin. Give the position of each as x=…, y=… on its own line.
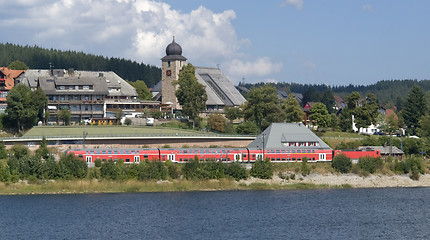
x=238, y=157
x=259, y=156
x=171, y=157
x=88, y=159
x=322, y=157
x=136, y=159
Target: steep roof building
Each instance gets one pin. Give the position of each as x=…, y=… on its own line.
x=288, y=136
x=219, y=89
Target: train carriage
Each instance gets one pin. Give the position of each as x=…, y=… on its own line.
x=129, y=155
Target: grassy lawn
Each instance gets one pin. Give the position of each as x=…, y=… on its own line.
x=106, y=130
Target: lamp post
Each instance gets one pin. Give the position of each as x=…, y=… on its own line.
x=263, y=147
x=84, y=135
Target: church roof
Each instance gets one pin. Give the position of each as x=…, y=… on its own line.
x=173, y=52
x=278, y=135
x=219, y=89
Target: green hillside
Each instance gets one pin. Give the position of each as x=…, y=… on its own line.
x=39, y=58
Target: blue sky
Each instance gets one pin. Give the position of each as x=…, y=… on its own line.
x=334, y=42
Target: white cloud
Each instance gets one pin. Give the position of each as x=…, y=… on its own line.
x=367, y=7
x=295, y=3
x=260, y=67
x=135, y=29
x=308, y=67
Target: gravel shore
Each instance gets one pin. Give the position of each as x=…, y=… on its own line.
x=353, y=180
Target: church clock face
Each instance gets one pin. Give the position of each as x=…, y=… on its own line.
x=168, y=72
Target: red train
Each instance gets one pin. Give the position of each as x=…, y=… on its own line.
x=356, y=154
x=180, y=155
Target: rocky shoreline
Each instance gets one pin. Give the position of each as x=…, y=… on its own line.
x=352, y=180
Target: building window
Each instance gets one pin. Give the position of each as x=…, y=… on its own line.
x=168, y=64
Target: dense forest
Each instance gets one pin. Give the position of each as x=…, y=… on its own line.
x=388, y=92
x=39, y=58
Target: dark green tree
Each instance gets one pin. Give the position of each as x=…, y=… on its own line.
x=292, y=109
x=247, y=128
x=414, y=108
x=22, y=109
x=3, y=152
x=319, y=115
x=328, y=99
x=17, y=65
x=263, y=107
x=191, y=94
x=43, y=150
x=142, y=90
x=64, y=115
x=232, y=113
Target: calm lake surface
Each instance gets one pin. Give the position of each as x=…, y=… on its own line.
x=393, y=213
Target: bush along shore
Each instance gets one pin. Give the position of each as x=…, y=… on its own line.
x=25, y=173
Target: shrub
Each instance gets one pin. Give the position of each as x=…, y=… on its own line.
x=71, y=166
x=98, y=162
x=236, y=171
x=19, y=150
x=370, y=164
x=262, y=169
x=305, y=167
x=341, y=163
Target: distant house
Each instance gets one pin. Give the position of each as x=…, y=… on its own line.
x=385, y=151
x=87, y=94
x=339, y=103
x=7, y=81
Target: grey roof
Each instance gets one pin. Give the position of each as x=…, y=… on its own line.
x=173, y=52
x=49, y=85
x=277, y=134
x=219, y=89
x=115, y=84
x=385, y=150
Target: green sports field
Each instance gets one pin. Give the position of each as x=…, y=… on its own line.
x=107, y=131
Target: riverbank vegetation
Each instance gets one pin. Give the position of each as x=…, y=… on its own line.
x=22, y=171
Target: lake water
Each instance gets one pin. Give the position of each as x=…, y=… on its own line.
x=393, y=213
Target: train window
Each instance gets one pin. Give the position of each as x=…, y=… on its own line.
x=288, y=151
x=137, y=151
x=103, y=160
x=294, y=159
x=313, y=151
x=277, y=151
x=103, y=152
x=293, y=151
x=109, y=152
x=288, y=159
x=87, y=152
x=253, y=156
x=223, y=151
x=127, y=160
x=80, y=155
x=115, y=152
x=298, y=151
x=282, y=151
x=308, y=151
x=244, y=155
x=273, y=159
x=313, y=159
x=145, y=156
x=283, y=159
x=185, y=151
x=127, y=152
x=299, y=159
x=278, y=159
x=268, y=151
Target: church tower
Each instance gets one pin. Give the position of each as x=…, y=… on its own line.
x=171, y=65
